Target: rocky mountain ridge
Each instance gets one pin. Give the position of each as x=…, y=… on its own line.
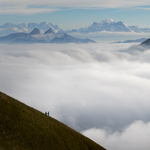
x=110, y=26
x=9, y=28
x=35, y=36
x=132, y=41
x=105, y=25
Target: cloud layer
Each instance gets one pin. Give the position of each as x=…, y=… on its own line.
x=134, y=137
x=77, y=3
x=24, y=9
x=101, y=90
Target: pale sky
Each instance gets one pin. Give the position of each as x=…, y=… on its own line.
x=69, y=14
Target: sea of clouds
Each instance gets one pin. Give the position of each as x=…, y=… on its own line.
x=101, y=90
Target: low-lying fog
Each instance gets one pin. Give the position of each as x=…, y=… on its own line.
x=100, y=90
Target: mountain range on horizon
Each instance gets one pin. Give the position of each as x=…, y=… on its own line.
x=111, y=26
x=9, y=28
x=105, y=25
x=35, y=36
x=132, y=41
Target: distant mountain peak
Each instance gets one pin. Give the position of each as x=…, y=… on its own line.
x=35, y=31
x=111, y=20
x=36, y=37
x=95, y=23
x=108, y=21
x=49, y=31
x=105, y=25
x=146, y=43
x=8, y=25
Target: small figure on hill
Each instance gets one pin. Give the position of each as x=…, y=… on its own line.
x=48, y=113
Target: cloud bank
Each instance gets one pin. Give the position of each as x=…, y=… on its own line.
x=101, y=90
x=77, y=3
x=24, y=9
x=134, y=137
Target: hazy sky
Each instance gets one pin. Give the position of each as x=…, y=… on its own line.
x=100, y=90
x=70, y=14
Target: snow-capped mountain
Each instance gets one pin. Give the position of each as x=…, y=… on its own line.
x=105, y=25
x=111, y=26
x=44, y=26
x=35, y=36
x=9, y=28
x=108, y=21
x=108, y=26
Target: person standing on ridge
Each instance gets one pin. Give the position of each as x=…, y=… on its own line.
x=46, y=113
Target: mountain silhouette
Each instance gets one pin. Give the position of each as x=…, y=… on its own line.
x=35, y=31
x=36, y=37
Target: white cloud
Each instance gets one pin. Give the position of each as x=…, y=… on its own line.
x=87, y=86
x=21, y=9
x=77, y=3
x=134, y=137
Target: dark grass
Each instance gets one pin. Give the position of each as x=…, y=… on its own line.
x=24, y=128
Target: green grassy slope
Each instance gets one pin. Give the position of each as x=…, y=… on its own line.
x=24, y=128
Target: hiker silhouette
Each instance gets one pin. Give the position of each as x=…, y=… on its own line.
x=46, y=113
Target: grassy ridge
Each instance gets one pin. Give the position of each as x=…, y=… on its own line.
x=24, y=128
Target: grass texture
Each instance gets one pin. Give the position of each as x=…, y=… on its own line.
x=24, y=128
